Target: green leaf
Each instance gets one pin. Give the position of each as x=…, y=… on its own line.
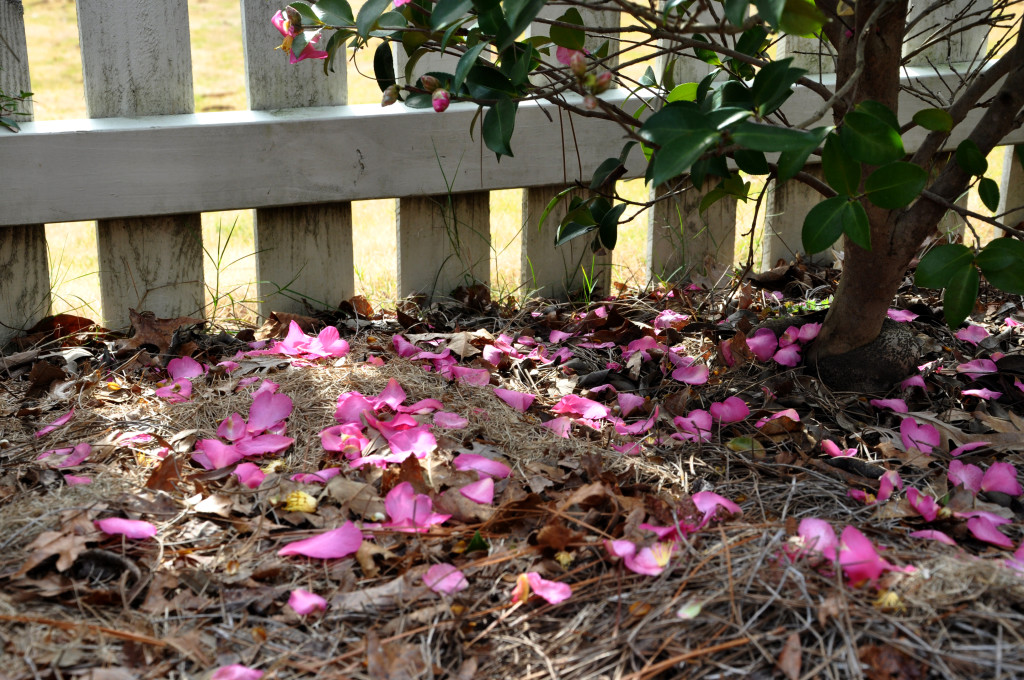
x=571, y=38
x=824, y=223
x=418, y=101
x=793, y=161
x=751, y=162
x=970, y=158
x=937, y=267
x=368, y=15
x=676, y=157
x=869, y=139
x=499, y=123
x=857, y=226
x=841, y=172
x=551, y=206
x=752, y=41
x=707, y=56
x=730, y=93
x=726, y=116
x=895, y=185
x=801, y=17
x=334, y=12
x=608, y=226
x=305, y=11
x=388, y=23
x=486, y=82
x=736, y=11
x=673, y=120
x=773, y=84
x=960, y=295
x=686, y=92
x=879, y=111
x=466, y=62
x=477, y=543
x=770, y=10
x=988, y=190
x=606, y=168
x=1018, y=152
x=448, y=11
x=936, y=120
x=520, y=14
x=384, y=66
x=772, y=137
x=1001, y=262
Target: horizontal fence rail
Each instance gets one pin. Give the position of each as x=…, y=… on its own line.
x=145, y=167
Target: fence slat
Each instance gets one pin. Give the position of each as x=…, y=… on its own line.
x=304, y=252
x=136, y=61
x=1011, y=193
x=544, y=267
x=24, y=270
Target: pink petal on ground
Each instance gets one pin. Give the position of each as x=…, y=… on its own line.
x=75, y=480
x=331, y=342
x=785, y=413
x=329, y=545
x=984, y=530
x=982, y=393
x=669, y=319
x=817, y=535
x=889, y=481
x=968, y=447
x=630, y=449
x=977, y=367
x=427, y=405
x=901, y=315
x=56, y=423
x=694, y=374
x=725, y=348
x=451, y=421
x=249, y=474
x=1016, y=562
x=216, y=454
x=913, y=381
x=789, y=336
x=580, y=406
x=921, y=437
x=696, y=423
x=177, y=392
x=559, y=426
x=972, y=334
x=709, y=503
x=479, y=377
x=860, y=560
x=808, y=332
x=268, y=409
x=347, y=439
x=763, y=344
x=403, y=347
x=392, y=395
x=481, y=492
x=305, y=602
x=130, y=528
x=966, y=475
x=639, y=427
x=832, y=449
x=351, y=406
x=237, y=671
x=481, y=464
x=552, y=591
x=318, y=477
x=520, y=401
x=77, y=456
x=558, y=336
x=409, y=510
x=232, y=428
x=445, y=578
x=788, y=356
x=263, y=444
x=628, y=402
x=417, y=441
x=923, y=504
x=184, y=367
x=732, y=410
x=897, y=405
x=933, y=535
x=1002, y=477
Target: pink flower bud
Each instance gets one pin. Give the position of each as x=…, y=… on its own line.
x=589, y=102
x=440, y=99
x=602, y=82
x=578, y=63
x=390, y=96
x=430, y=83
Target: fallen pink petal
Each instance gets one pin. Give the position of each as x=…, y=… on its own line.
x=982, y=393
x=305, y=602
x=763, y=344
x=924, y=505
x=818, y=536
x=978, y=367
x=450, y=421
x=933, y=535
x=267, y=410
x=709, y=503
x=236, y=671
x=63, y=420
x=481, y=491
x=983, y=529
x=184, y=367
x=249, y=475
x=966, y=475
x=901, y=315
x=628, y=402
x=129, y=528
x=532, y=582
x=332, y=544
x=924, y=438
x=972, y=334
x=1001, y=477
x=896, y=405
x=481, y=464
x=445, y=578
x=832, y=449
x=75, y=480
x=694, y=374
x=409, y=511
x=732, y=410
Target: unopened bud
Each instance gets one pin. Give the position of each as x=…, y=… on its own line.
x=294, y=18
x=440, y=100
x=430, y=83
x=578, y=63
x=590, y=102
x=602, y=82
x=390, y=96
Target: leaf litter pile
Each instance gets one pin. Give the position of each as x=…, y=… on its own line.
x=643, y=487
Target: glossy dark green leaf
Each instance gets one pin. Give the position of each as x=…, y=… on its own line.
x=960, y=295
x=771, y=137
x=551, y=206
x=736, y=11
x=1002, y=263
x=673, y=120
x=940, y=263
x=685, y=92
x=751, y=162
x=802, y=18
x=384, y=65
x=824, y=223
x=305, y=11
x=841, y=172
x=879, y=111
x=731, y=93
x=869, y=139
x=499, y=123
x=770, y=10
x=519, y=14
x=334, y=12
x=752, y=41
x=608, y=226
x=606, y=168
x=773, y=84
x=388, y=23
x=857, y=226
x=895, y=185
x=486, y=82
x=466, y=62
x=726, y=116
x=676, y=157
x=969, y=157
x=793, y=161
x=571, y=38
x=448, y=11
x=368, y=15
x=936, y=120
x=988, y=190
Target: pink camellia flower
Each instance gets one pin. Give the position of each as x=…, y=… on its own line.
x=440, y=100
x=305, y=602
x=184, y=367
x=924, y=505
x=564, y=55
x=284, y=26
x=445, y=578
x=808, y=332
x=267, y=410
x=972, y=334
x=788, y=355
x=984, y=529
x=628, y=402
x=889, y=481
x=916, y=436
x=410, y=511
x=129, y=528
x=552, y=591
x=732, y=410
x=763, y=344
x=347, y=439
x=333, y=544
x=650, y=560
x=177, y=392
x=481, y=492
x=236, y=671
x=860, y=560
x=213, y=454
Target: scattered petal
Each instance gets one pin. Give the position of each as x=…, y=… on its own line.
x=832, y=449
x=1002, y=477
x=410, y=511
x=923, y=504
x=977, y=367
x=237, y=671
x=984, y=530
x=933, y=535
x=694, y=374
x=916, y=436
x=968, y=447
x=913, y=381
x=520, y=401
x=732, y=410
x=763, y=344
x=332, y=544
x=709, y=503
x=552, y=591
x=481, y=492
x=972, y=334
x=582, y=407
x=889, y=481
x=184, y=367
x=479, y=377
x=818, y=536
x=788, y=355
x=130, y=528
x=559, y=426
x=628, y=402
x=901, y=315
x=451, y=421
x=75, y=480
x=267, y=410
x=897, y=405
x=249, y=474
x=56, y=423
x=983, y=393
x=305, y=602
x=482, y=464
x=965, y=475
x=445, y=578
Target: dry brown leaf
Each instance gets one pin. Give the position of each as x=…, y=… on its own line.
x=276, y=325
x=67, y=545
x=358, y=497
x=150, y=330
x=394, y=660
x=791, y=657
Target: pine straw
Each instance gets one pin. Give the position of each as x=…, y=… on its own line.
x=216, y=587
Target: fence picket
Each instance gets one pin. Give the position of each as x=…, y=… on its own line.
x=303, y=252
x=136, y=61
x=24, y=271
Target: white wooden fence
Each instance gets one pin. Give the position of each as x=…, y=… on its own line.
x=145, y=166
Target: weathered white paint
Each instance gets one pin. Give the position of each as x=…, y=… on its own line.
x=551, y=271
x=24, y=271
x=136, y=61
x=303, y=252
